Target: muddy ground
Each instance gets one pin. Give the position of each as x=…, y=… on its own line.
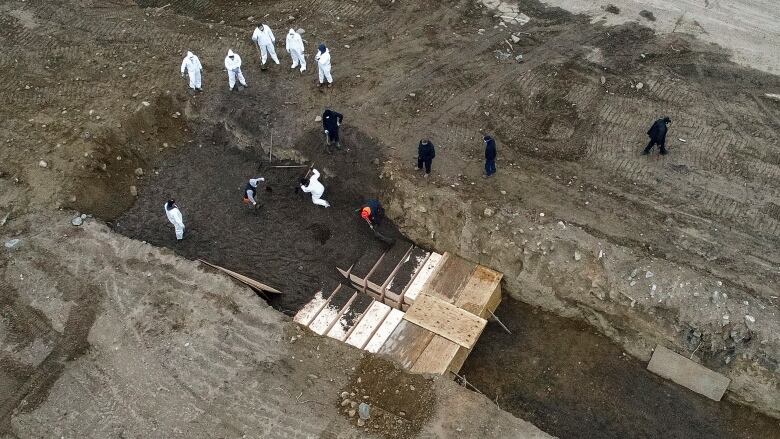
x=289, y=243
x=678, y=250
x=572, y=382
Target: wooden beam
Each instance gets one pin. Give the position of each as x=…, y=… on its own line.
x=244, y=279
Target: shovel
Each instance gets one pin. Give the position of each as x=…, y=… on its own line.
x=380, y=236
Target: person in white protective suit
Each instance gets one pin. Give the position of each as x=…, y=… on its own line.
x=294, y=46
x=192, y=65
x=323, y=63
x=264, y=38
x=174, y=216
x=313, y=186
x=233, y=66
x=250, y=192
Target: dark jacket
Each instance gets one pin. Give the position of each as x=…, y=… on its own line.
x=426, y=151
x=657, y=132
x=331, y=120
x=490, y=148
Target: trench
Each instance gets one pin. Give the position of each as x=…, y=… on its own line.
x=554, y=372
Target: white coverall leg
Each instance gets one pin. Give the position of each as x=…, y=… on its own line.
x=325, y=74
x=195, y=79
x=319, y=201
x=236, y=74
x=266, y=50
x=297, y=58
x=179, y=229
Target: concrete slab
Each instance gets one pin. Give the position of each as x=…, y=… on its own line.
x=687, y=373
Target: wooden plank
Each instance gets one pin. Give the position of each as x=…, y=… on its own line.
x=310, y=310
x=369, y=322
x=331, y=311
x=481, y=293
x=391, y=259
x=688, y=373
x=244, y=279
x=404, y=275
x=350, y=317
x=450, y=277
x=447, y=320
x=421, y=277
x=437, y=356
x=384, y=331
x=406, y=343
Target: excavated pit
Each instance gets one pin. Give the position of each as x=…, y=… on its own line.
x=555, y=372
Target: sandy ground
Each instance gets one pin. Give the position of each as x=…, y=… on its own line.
x=679, y=250
x=747, y=28
x=110, y=337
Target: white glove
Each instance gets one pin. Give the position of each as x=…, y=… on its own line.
x=326, y=131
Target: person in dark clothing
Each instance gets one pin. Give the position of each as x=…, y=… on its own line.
x=490, y=155
x=425, y=154
x=657, y=134
x=331, y=121
x=372, y=212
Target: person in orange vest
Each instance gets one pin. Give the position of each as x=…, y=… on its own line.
x=372, y=212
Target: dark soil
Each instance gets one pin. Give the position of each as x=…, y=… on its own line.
x=289, y=243
x=586, y=387
x=400, y=402
x=612, y=9
x=647, y=15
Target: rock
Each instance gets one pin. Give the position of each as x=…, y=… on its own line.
x=77, y=221
x=346, y=46
x=139, y=171
x=603, y=80
x=318, y=119
x=423, y=209
x=515, y=39
x=749, y=319
x=344, y=395
x=364, y=410
x=649, y=274
x=145, y=104
x=345, y=403
x=411, y=95
x=300, y=31
x=639, y=86
x=133, y=191
x=541, y=214
x=488, y=212
x=634, y=272
x=519, y=58
x=352, y=413
x=411, y=388
x=577, y=256
x=83, y=216
x=11, y=243
x=43, y=164
x=361, y=422
x=481, y=31
x=503, y=192
x=632, y=283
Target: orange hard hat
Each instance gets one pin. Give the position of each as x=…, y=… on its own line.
x=365, y=213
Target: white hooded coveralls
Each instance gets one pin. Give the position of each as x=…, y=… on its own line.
x=174, y=216
x=294, y=46
x=316, y=189
x=323, y=62
x=193, y=67
x=233, y=67
x=264, y=38
x=250, y=193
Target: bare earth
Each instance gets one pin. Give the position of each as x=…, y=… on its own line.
x=680, y=250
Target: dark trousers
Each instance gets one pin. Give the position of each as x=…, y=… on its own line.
x=424, y=162
x=490, y=167
x=652, y=143
x=333, y=135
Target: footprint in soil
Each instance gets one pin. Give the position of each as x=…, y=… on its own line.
x=320, y=232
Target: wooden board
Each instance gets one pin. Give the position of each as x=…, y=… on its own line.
x=244, y=279
x=406, y=272
x=482, y=292
x=421, y=277
x=390, y=262
x=451, y=275
x=688, y=373
x=332, y=311
x=384, y=331
x=311, y=309
x=406, y=343
x=369, y=322
x=447, y=320
x=437, y=356
x=350, y=317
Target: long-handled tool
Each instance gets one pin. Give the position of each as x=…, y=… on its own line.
x=379, y=236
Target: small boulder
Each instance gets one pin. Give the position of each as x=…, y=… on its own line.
x=43, y=164
x=488, y=212
x=133, y=191
x=77, y=221
x=139, y=172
